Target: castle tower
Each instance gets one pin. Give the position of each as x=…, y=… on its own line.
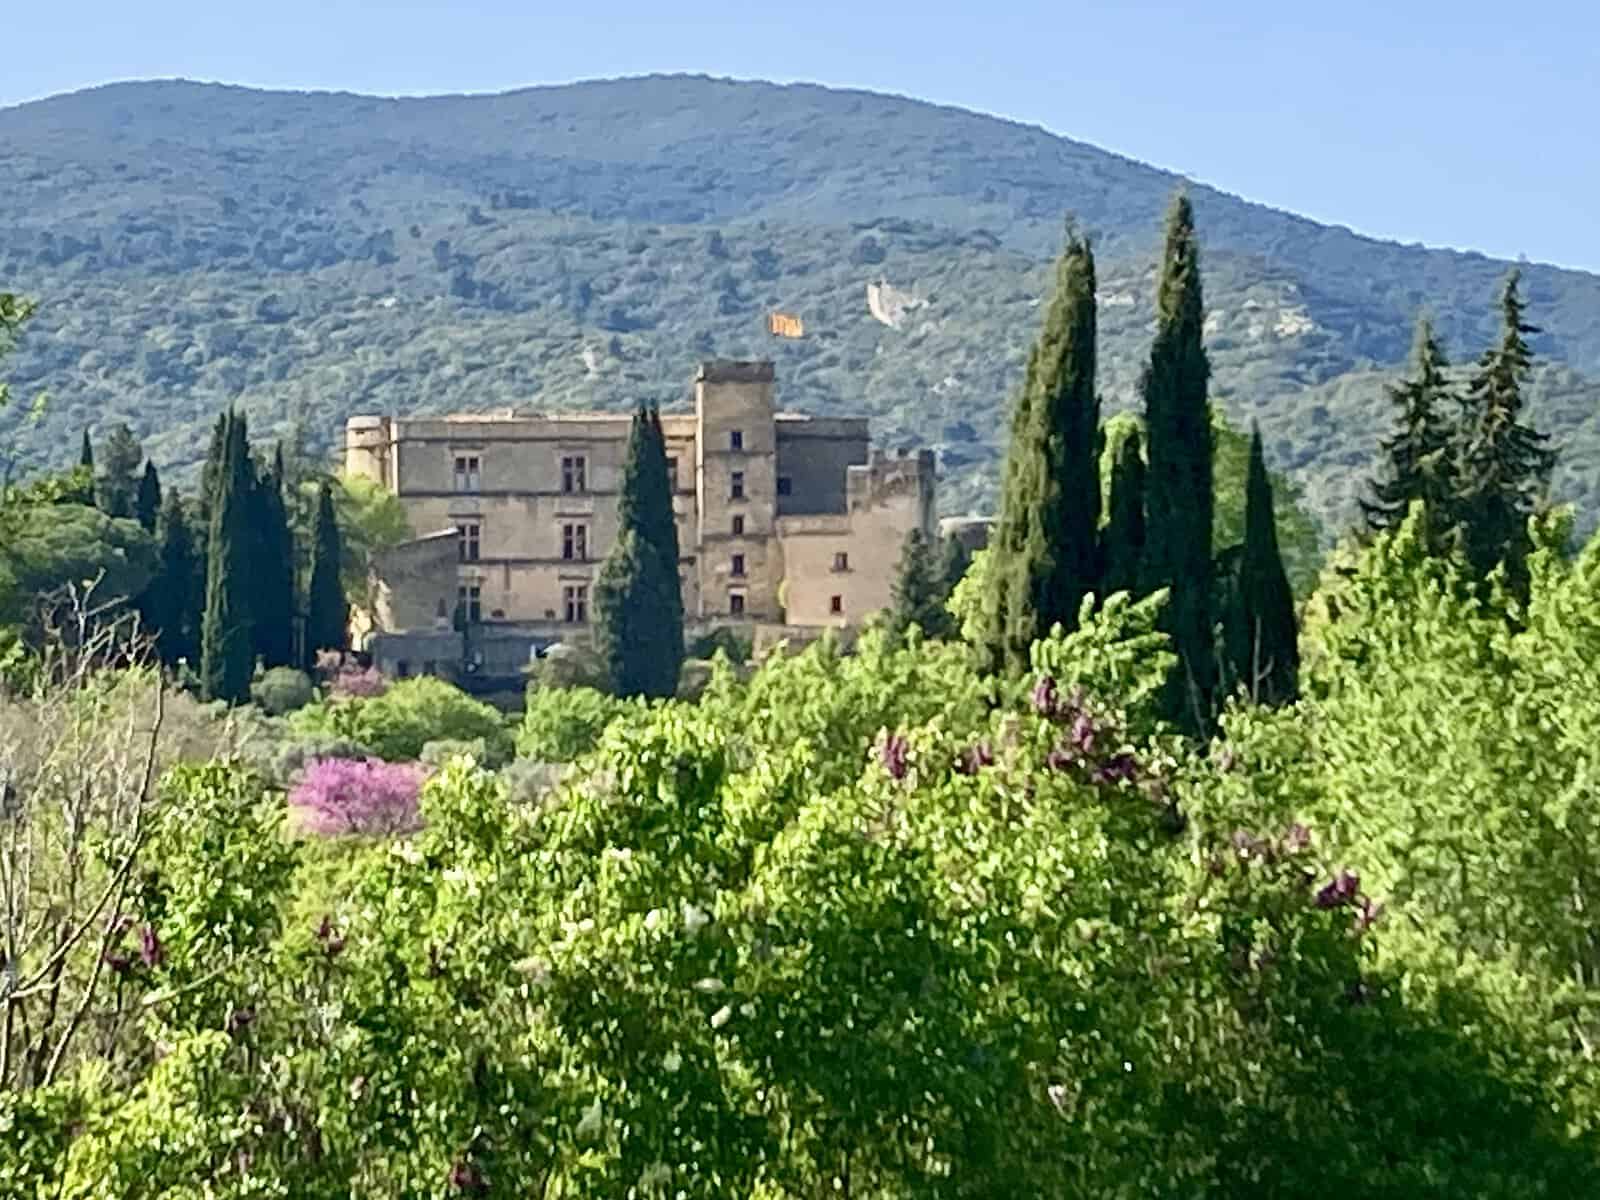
x=736, y=490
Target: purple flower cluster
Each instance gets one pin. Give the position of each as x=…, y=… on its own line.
x=467, y=1179
x=358, y=796
x=120, y=957
x=893, y=754
x=975, y=759
x=1342, y=889
x=1086, y=740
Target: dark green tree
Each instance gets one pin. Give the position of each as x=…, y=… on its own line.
x=1260, y=636
x=327, y=612
x=1122, y=539
x=147, y=504
x=918, y=591
x=954, y=560
x=273, y=615
x=1503, y=465
x=638, y=597
x=117, y=488
x=1047, y=541
x=86, y=452
x=226, y=638
x=1418, y=458
x=171, y=608
x=1179, y=501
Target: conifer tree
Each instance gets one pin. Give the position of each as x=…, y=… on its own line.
x=1046, y=550
x=171, y=608
x=327, y=613
x=147, y=505
x=954, y=560
x=1179, y=500
x=1260, y=637
x=638, y=596
x=918, y=589
x=226, y=638
x=274, y=600
x=1418, y=457
x=81, y=487
x=1503, y=465
x=117, y=488
x=86, y=452
x=1122, y=540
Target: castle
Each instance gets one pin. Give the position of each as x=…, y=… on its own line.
x=787, y=523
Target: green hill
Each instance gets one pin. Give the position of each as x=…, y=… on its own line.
x=314, y=255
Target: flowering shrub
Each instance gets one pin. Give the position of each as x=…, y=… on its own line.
x=358, y=683
x=357, y=796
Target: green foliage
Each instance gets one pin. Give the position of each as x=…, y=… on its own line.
x=1260, y=649
x=396, y=725
x=226, y=635
x=46, y=547
x=370, y=520
x=1419, y=457
x=562, y=724
x=275, y=608
x=729, y=642
x=117, y=485
x=638, y=596
x=327, y=613
x=1179, y=481
x=1122, y=540
x=918, y=592
x=147, y=503
x=172, y=604
x=282, y=690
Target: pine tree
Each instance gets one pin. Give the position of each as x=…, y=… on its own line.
x=1046, y=555
x=918, y=591
x=1503, y=465
x=638, y=597
x=273, y=612
x=226, y=639
x=327, y=613
x=1260, y=638
x=1418, y=458
x=117, y=488
x=171, y=608
x=1122, y=540
x=147, y=504
x=1179, y=500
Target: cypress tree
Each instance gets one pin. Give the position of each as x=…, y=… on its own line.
x=1122, y=540
x=918, y=589
x=226, y=639
x=147, y=505
x=118, y=484
x=1504, y=465
x=327, y=613
x=638, y=597
x=274, y=599
x=1179, y=500
x=171, y=606
x=1418, y=457
x=86, y=453
x=1260, y=639
x=1047, y=550
x=954, y=561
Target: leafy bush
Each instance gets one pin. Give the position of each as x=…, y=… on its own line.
x=350, y=796
x=439, y=753
x=282, y=690
x=404, y=718
x=567, y=666
x=561, y=724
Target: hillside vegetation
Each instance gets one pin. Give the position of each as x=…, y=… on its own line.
x=312, y=256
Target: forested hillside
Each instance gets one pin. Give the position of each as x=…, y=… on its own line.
x=311, y=256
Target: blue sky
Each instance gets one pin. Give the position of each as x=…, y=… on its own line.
x=1462, y=123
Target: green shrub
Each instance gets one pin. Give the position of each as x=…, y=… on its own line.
x=283, y=690
x=439, y=753
x=561, y=724
x=398, y=724
x=567, y=666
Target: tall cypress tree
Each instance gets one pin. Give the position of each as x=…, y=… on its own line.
x=918, y=589
x=172, y=605
x=274, y=599
x=1179, y=500
x=954, y=561
x=117, y=488
x=638, y=597
x=327, y=613
x=1504, y=465
x=226, y=638
x=1046, y=556
x=147, y=504
x=86, y=452
x=1260, y=638
x=1122, y=540
x=1418, y=457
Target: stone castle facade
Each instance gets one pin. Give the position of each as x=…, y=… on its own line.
x=783, y=520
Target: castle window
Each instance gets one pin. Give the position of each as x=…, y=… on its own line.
x=469, y=540
x=785, y=485
x=574, y=467
x=841, y=561
x=469, y=602
x=736, y=486
x=402, y=669
x=738, y=525
x=576, y=598
x=736, y=439
x=736, y=603
x=737, y=568
x=836, y=605
x=672, y=473
x=575, y=543
x=467, y=473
